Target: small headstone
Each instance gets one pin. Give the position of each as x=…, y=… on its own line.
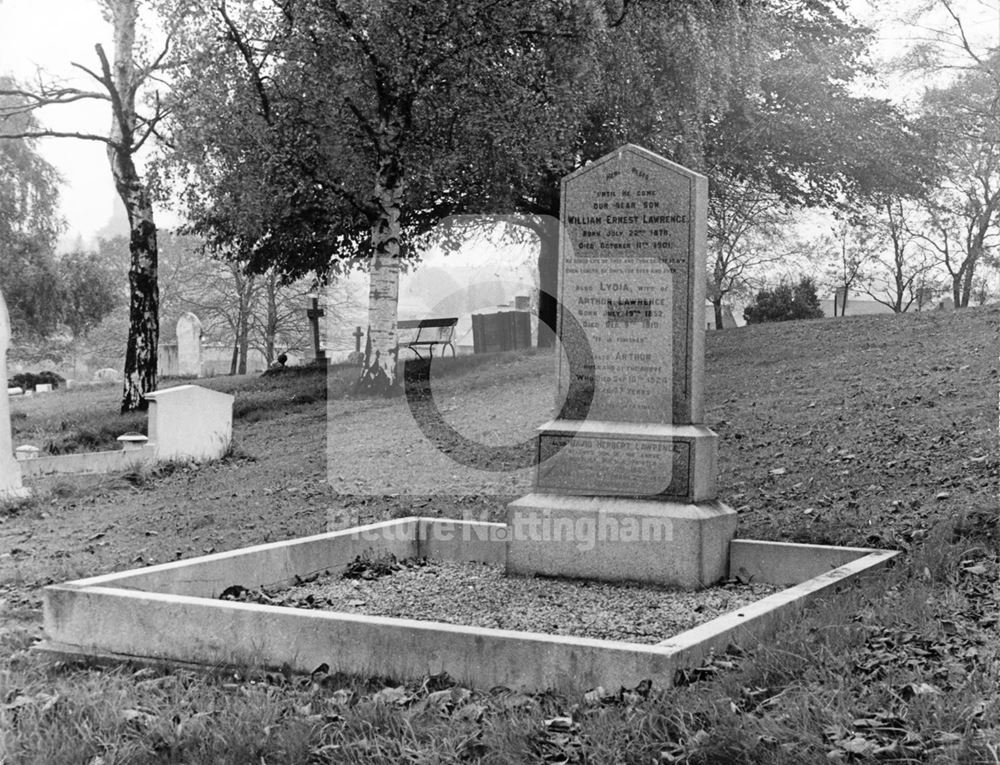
x=840, y=301
x=189, y=422
x=10, y=470
x=625, y=486
x=43, y=387
x=107, y=374
x=925, y=296
x=189, y=345
x=132, y=442
x=26, y=452
x=15, y=391
x=728, y=320
x=946, y=305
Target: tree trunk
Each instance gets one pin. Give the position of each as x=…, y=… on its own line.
x=966, y=287
x=271, y=322
x=546, y=228
x=717, y=306
x=144, y=315
x=144, y=320
x=378, y=372
x=243, y=325
x=548, y=281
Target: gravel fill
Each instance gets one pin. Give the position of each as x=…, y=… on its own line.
x=478, y=595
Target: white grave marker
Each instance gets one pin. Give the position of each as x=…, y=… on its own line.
x=189, y=345
x=10, y=471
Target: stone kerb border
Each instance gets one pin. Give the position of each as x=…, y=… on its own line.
x=168, y=613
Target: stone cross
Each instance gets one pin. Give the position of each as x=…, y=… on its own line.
x=315, y=313
x=625, y=484
x=358, y=334
x=10, y=471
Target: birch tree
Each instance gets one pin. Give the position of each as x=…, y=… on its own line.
x=118, y=80
x=352, y=133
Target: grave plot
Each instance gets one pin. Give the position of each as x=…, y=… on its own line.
x=172, y=612
x=482, y=595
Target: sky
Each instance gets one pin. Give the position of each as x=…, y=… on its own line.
x=51, y=34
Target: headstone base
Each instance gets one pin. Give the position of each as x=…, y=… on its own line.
x=616, y=539
x=675, y=463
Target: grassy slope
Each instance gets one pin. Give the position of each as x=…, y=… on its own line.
x=876, y=430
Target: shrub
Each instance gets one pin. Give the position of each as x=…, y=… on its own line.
x=28, y=380
x=784, y=303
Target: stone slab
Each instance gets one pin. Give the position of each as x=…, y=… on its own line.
x=472, y=541
x=189, y=354
x=268, y=565
x=84, y=463
x=748, y=624
x=189, y=422
x=632, y=290
x=619, y=539
x=589, y=458
x=786, y=563
x=10, y=468
x=111, y=617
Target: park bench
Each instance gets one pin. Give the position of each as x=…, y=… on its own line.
x=416, y=334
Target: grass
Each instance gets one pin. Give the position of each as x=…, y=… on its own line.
x=885, y=429
x=89, y=420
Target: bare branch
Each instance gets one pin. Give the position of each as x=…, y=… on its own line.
x=48, y=96
x=117, y=108
x=90, y=72
x=57, y=134
x=961, y=32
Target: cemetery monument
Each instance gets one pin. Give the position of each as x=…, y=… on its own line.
x=10, y=470
x=314, y=313
x=189, y=345
x=625, y=485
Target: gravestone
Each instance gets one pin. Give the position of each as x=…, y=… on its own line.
x=188, y=422
x=189, y=345
x=356, y=356
x=314, y=313
x=840, y=301
x=625, y=484
x=10, y=471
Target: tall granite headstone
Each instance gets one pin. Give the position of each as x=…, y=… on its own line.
x=10, y=471
x=189, y=345
x=625, y=485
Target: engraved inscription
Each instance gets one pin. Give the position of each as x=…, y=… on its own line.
x=626, y=264
x=614, y=466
